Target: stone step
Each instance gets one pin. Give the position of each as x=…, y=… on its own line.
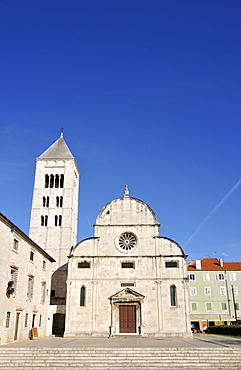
x=120, y=358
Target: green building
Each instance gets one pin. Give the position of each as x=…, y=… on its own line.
x=214, y=292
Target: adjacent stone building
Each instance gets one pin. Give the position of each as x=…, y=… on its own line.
x=214, y=292
x=25, y=277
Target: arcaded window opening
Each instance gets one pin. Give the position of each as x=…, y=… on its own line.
x=56, y=181
x=61, y=181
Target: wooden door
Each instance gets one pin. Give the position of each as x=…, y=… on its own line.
x=127, y=318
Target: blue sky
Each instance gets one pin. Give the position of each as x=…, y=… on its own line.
x=148, y=93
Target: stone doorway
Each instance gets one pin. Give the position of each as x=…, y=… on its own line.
x=58, y=324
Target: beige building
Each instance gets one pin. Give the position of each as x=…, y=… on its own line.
x=25, y=277
x=127, y=279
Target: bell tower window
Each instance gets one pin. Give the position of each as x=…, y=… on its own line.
x=56, y=181
x=61, y=181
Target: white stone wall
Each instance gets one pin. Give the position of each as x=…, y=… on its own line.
x=18, y=302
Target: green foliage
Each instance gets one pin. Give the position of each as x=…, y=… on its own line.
x=225, y=330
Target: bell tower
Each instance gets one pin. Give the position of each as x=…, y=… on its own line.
x=54, y=214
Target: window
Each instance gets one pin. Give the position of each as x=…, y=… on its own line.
x=170, y=264
x=58, y=220
x=59, y=202
x=237, y=306
x=31, y=257
x=52, y=293
x=40, y=321
x=127, y=284
x=15, y=245
x=209, y=306
x=232, y=276
x=14, y=277
x=206, y=277
x=192, y=277
x=221, y=276
x=222, y=290
x=43, y=292
x=8, y=316
x=194, y=306
x=235, y=290
x=44, y=265
x=61, y=181
x=56, y=181
x=46, y=181
x=207, y=290
x=83, y=265
x=30, y=287
x=224, y=306
x=51, y=182
x=44, y=220
x=127, y=265
x=173, y=298
x=193, y=291
x=45, y=201
x=127, y=241
x=82, y=296
x=26, y=320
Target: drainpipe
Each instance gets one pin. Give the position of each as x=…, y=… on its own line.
x=234, y=304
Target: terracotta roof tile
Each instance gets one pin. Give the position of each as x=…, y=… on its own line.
x=214, y=264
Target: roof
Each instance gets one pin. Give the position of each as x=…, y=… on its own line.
x=16, y=229
x=214, y=264
x=58, y=150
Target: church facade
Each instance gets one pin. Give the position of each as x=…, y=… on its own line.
x=126, y=280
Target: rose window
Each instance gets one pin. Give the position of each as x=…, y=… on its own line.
x=127, y=241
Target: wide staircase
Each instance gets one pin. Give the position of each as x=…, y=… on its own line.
x=120, y=358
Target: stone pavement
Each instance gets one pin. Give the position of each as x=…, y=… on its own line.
x=198, y=341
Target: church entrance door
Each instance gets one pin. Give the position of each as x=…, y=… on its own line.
x=127, y=318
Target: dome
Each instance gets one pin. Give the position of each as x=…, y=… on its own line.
x=126, y=211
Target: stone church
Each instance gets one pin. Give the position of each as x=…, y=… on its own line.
x=126, y=280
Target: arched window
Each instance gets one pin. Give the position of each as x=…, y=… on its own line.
x=60, y=220
x=82, y=296
x=56, y=221
x=46, y=181
x=61, y=202
x=42, y=220
x=57, y=201
x=61, y=181
x=51, y=185
x=46, y=221
x=173, y=294
x=56, y=181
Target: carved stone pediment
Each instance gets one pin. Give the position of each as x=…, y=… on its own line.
x=127, y=295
